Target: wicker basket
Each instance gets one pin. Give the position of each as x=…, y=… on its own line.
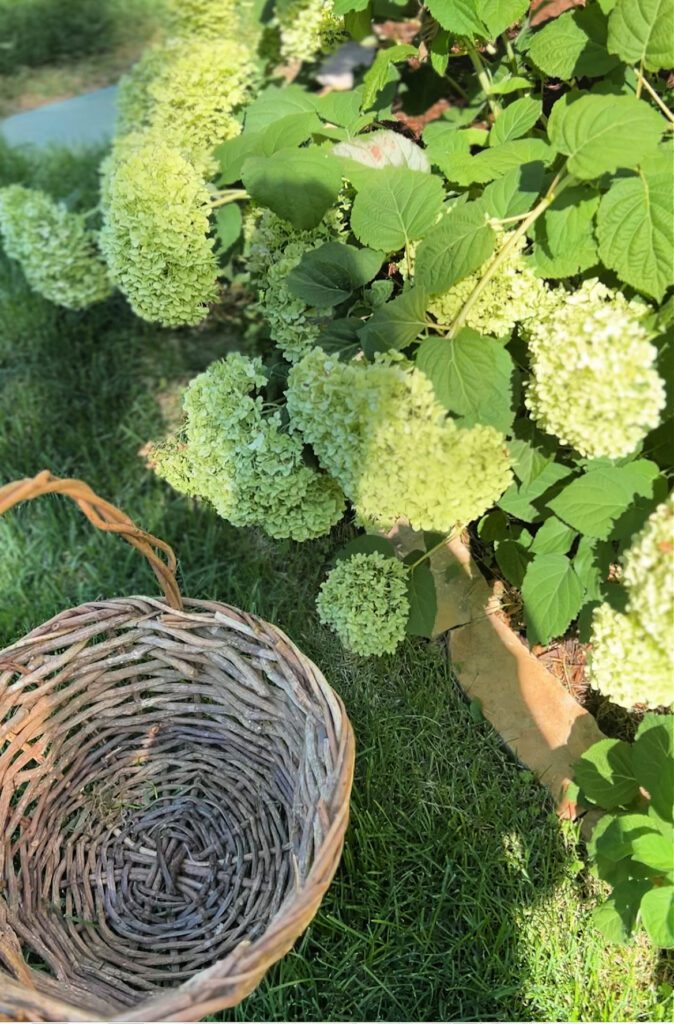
x=174, y=789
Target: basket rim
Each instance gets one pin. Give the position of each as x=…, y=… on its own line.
x=241, y=970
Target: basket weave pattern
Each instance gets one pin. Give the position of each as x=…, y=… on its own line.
x=174, y=787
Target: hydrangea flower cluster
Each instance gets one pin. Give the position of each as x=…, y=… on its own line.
x=155, y=235
x=515, y=294
x=364, y=599
x=57, y=252
x=380, y=431
x=633, y=652
x=594, y=383
x=188, y=91
x=209, y=18
x=308, y=28
x=275, y=248
x=243, y=461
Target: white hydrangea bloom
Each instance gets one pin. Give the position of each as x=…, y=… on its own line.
x=594, y=383
x=308, y=28
x=515, y=294
x=633, y=652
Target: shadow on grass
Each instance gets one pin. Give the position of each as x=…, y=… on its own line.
x=457, y=898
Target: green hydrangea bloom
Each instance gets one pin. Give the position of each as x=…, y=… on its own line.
x=380, y=431
x=241, y=459
x=512, y=296
x=594, y=383
x=57, y=252
x=273, y=249
x=633, y=652
x=188, y=92
x=308, y=28
x=155, y=232
x=364, y=599
x=213, y=19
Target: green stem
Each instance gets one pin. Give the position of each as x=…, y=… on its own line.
x=510, y=53
x=642, y=82
x=457, y=88
x=483, y=77
x=640, y=79
x=230, y=195
x=431, y=551
x=560, y=182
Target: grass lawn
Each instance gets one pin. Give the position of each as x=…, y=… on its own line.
x=460, y=896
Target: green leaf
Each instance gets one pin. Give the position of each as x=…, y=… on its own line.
x=655, y=850
x=472, y=377
x=573, y=45
x=498, y=15
x=395, y=206
x=274, y=103
x=439, y=51
x=376, y=76
x=454, y=248
x=341, y=337
x=552, y=595
x=228, y=222
x=653, y=754
x=615, y=840
x=605, y=773
x=510, y=84
x=513, y=560
x=493, y=526
x=458, y=16
x=327, y=275
x=382, y=149
x=493, y=163
x=594, y=132
x=396, y=324
x=643, y=30
x=528, y=460
x=423, y=602
x=553, y=537
x=341, y=7
x=564, y=236
x=519, y=500
x=617, y=916
x=515, y=192
x=366, y=544
x=657, y=914
x=635, y=228
x=300, y=185
x=589, y=569
x=515, y=120
x=593, y=502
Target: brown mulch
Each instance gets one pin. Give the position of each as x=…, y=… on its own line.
x=567, y=661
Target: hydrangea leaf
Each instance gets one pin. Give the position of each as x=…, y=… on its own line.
x=605, y=774
x=395, y=206
x=653, y=751
x=519, y=500
x=513, y=560
x=396, y=324
x=498, y=15
x=299, y=185
x=564, y=236
x=515, y=192
x=655, y=850
x=593, y=502
x=341, y=7
x=516, y=120
x=376, y=77
x=553, y=537
x=365, y=544
x=454, y=248
x=657, y=914
x=459, y=17
x=573, y=45
x=329, y=274
x=228, y=223
x=591, y=130
x=423, y=601
x=635, y=228
x=341, y=337
x=589, y=568
x=492, y=163
x=553, y=596
x=384, y=149
x=277, y=102
x=472, y=377
x=643, y=30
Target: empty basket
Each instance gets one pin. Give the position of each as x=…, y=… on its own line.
x=174, y=792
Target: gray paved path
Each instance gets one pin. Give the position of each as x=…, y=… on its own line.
x=81, y=120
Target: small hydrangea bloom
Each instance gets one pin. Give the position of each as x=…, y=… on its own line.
x=57, y=252
x=380, y=431
x=274, y=248
x=633, y=652
x=240, y=458
x=210, y=18
x=364, y=600
x=308, y=28
x=155, y=232
x=512, y=296
x=594, y=384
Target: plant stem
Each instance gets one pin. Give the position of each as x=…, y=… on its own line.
x=457, y=88
x=640, y=79
x=483, y=76
x=230, y=195
x=643, y=81
x=510, y=53
x=560, y=182
x=431, y=551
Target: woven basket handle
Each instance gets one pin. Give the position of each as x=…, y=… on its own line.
x=106, y=517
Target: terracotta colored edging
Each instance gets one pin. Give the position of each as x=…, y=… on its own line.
x=537, y=718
